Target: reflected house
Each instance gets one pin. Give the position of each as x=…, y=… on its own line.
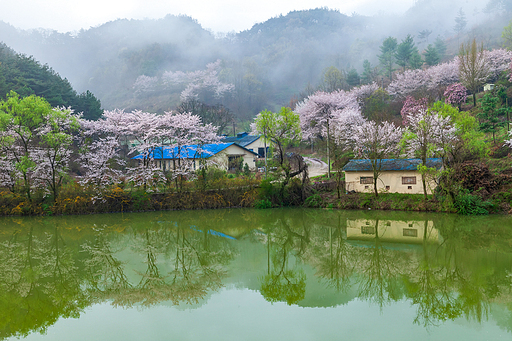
x=227, y=156
x=396, y=176
x=253, y=143
x=393, y=231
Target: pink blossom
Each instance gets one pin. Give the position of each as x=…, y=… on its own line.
x=498, y=60
x=200, y=83
x=318, y=110
x=411, y=107
x=455, y=94
x=145, y=84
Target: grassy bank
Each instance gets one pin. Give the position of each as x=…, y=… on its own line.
x=468, y=204
x=119, y=200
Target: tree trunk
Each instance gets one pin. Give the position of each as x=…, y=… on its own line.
x=375, y=185
x=328, y=153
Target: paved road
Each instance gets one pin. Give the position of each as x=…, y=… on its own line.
x=316, y=167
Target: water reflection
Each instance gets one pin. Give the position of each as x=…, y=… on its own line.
x=447, y=267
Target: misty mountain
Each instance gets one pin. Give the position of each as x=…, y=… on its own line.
x=267, y=64
x=26, y=76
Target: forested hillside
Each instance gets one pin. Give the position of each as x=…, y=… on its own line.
x=26, y=76
x=286, y=58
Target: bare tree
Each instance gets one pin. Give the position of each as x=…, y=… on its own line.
x=473, y=67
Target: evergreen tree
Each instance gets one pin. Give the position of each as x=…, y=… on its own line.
x=416, y=61
x=460, y=22
x=387, y=56
x=369, y=73
x=353, y=78
x=491, y=117
x=440, y=46
x=404, y=52
x=431, y=55
x=88, y=105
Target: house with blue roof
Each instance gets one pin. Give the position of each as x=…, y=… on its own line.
x=397, y=175
x=252, y=142
x=228, y=156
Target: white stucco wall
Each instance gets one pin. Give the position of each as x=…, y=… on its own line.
x=220, y=159
x=389, y=181
x=394, y=231
x=257, y=144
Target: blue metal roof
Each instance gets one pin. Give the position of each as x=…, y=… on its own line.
x=391, y=164
x=241, y=139
x=188, y=152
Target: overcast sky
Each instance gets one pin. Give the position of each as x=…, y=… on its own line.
x=216, y=15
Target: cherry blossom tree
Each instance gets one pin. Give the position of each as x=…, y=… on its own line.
x=431, y=81
x=412, y=106
x=145, y=84
x=345, y=124
x=375, y=142
x=509, y=142
x=498, y=60
x=424, y=82
x=203, y=85
x=428, y=134
x=20, y=121
x=53, y=152
x=101, y=143
x=181, y=130
x=101, y=161
x=456, y=94
x=317, y=112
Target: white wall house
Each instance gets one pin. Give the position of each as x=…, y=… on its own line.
x=227, y=156
x=253, y=143
x=397, y=176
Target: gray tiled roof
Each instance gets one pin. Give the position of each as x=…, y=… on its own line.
x=391, y=164
x=241, y=140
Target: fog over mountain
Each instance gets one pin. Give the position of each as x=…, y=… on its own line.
x=267, y=64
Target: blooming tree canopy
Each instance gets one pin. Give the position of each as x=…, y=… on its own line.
x=428, y=134
x=456, y=94
x=412, y=106
x=322, y=113
x=203, y=85
x=375, y=142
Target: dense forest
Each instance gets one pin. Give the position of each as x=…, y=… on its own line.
x=277, y=61
x=26, y=76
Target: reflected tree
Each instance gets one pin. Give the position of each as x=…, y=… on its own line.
x=334, y=259
x=381, y=271
x=282, y=283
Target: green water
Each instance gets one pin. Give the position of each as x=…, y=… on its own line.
x=288, y=274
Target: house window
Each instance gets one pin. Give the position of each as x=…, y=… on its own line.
x=366, y=180
x=410, y=232
x=408, y=180
x=261, y=152
x=235, y=163
x=367, y=230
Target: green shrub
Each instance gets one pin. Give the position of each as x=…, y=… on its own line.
x=314, y=200
x=263, y=203
x=469, y=204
